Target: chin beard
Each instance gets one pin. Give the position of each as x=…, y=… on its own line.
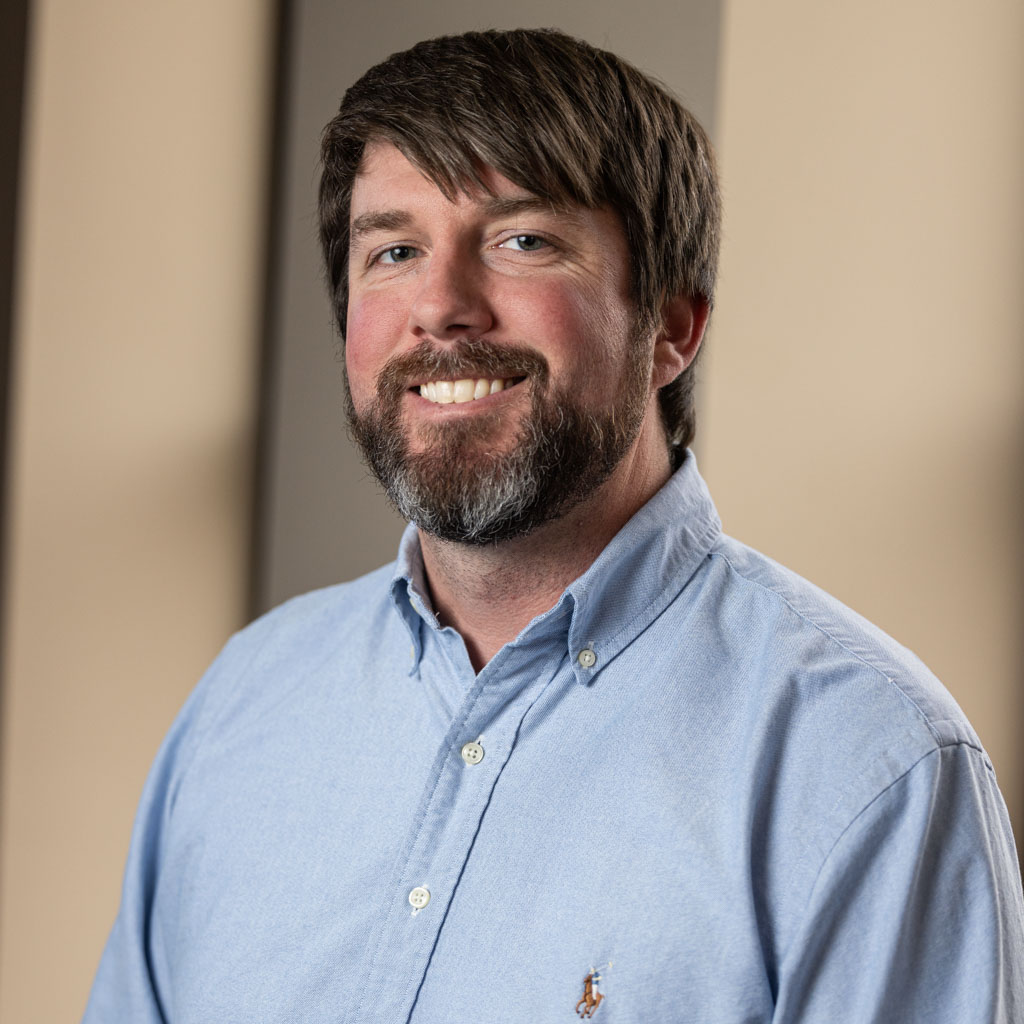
x=458, y=490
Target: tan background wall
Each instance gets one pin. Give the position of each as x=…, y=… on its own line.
x=139, y=300
x=863, y=405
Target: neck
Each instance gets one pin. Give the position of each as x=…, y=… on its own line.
x=489, y=593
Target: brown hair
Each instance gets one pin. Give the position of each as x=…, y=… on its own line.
x=572, y=124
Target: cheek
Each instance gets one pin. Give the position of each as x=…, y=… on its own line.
x=580, y=322
x=594, y=327
x=367, y=345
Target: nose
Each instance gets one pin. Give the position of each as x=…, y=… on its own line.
x=451, y=301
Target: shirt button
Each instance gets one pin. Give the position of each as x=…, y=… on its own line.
x=472, y=753
x=419, y=897
x=587, y=658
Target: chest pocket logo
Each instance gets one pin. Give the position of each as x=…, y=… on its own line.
x=592, y=998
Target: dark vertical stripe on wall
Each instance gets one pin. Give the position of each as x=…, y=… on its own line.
x=14, y=16
x=273, y=255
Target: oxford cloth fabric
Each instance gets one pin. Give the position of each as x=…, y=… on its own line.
x=746, y=804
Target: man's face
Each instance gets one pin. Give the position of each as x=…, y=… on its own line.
x=495, y=369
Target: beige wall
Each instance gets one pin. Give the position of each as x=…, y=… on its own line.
x=141, y=266
x=863, y=416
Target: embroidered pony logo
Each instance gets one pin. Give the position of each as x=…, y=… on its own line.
x=591, y=997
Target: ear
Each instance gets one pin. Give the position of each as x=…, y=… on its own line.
x=682, y=329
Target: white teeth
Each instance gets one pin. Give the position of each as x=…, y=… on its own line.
x=444, y=392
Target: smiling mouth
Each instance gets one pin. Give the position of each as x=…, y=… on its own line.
x=468, y=389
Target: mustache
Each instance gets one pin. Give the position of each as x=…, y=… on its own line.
x=467, y=357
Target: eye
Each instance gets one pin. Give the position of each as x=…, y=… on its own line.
x=397, y=254
x=525, y=243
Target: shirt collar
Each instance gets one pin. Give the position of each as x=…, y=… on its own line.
x=409, y=591
x=629, y=584
x=642, y=570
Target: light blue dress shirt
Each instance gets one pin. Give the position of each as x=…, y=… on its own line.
x=697, y=780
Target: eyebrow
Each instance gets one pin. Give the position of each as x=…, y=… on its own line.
x=379, y=220
x=493, y=206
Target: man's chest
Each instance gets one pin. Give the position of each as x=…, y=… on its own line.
x=568, y=862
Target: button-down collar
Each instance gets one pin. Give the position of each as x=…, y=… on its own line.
x=631, y=582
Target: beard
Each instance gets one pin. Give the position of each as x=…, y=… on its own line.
x=459, y=489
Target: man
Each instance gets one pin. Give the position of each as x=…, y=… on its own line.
x=576, y=753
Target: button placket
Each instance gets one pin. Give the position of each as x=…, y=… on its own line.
x=449, y=821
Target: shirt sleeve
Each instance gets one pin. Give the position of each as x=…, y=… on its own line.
x=131, y=981
x=125, y=986
x=917, y=913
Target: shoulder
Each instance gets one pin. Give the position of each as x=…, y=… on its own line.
x=826, y=711
x=319, y=617
x=811, y=636
x=285, y=656
x=846, y=739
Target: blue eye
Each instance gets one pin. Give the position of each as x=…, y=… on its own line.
x=525, y=243
x=397, y=254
